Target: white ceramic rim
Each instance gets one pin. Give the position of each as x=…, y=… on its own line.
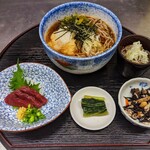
x=112, y=116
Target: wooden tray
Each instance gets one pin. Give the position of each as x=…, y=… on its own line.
x=64, y=133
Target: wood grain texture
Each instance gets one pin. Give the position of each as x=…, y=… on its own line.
x=64, y=133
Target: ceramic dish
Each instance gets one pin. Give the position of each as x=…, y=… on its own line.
x=79, y=65
x=94, y=122
x=131, y=69
x=125, y=91
x=52, y=87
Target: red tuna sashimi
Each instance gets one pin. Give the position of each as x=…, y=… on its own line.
x=28, y=97
x=35, y=94
x=13, y=100
x=25, y=96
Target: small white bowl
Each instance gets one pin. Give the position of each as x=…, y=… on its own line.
x=125, y=92
x=94, y=122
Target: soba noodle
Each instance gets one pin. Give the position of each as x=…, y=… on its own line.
x=95, y=37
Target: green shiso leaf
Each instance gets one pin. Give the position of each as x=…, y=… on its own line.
x=18, y=80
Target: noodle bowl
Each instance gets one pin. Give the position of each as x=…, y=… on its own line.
x=83, y=45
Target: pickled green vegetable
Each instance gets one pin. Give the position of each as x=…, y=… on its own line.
x=93, y=106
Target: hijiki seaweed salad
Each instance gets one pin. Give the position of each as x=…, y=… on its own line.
x=138, y=105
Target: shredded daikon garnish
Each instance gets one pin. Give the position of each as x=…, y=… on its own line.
x=136, y=53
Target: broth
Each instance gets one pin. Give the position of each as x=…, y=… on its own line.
x=80, y=36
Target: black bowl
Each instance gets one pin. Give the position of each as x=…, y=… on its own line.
x=131, y=69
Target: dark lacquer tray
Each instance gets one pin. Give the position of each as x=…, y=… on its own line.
x=64, y=133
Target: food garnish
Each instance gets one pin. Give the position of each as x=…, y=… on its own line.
x=21, y=113
x=138, y=106
x=18, y=80
x=29, y=115
x=80, y=26
x=136, y=53
x=93, y=106
x=25, y=97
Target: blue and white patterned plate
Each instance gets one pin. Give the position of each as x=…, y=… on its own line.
x=52, y=87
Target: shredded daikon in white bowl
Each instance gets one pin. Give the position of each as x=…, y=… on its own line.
x=136, y=53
